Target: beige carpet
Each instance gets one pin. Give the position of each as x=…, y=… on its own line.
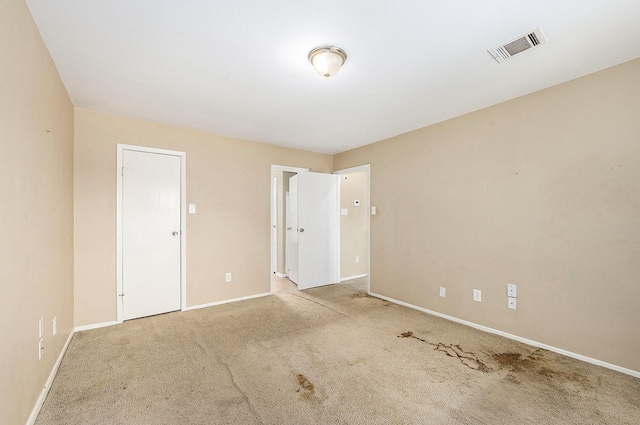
x=328, y=355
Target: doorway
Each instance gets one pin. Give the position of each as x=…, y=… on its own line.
x=280, y=252
x=150, y=231
x=355, y=220
x=312, y=232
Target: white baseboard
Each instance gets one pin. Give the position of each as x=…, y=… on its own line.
x=515, y=337
x=280, y=274
x=47, y=385
x=233, y=300
x=342, y=279
x=94, y=326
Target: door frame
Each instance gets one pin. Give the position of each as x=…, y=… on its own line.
x=183, y=221
x=274, y=217
x=367, y=168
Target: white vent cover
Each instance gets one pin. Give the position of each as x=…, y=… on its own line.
x=525, y=42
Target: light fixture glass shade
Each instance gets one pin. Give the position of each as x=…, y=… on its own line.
x=327, y=60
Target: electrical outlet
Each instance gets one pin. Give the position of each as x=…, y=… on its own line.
x=443, y=292
x=512, y=290
x=40, y=348
x=40, y=327
x=511, y=303
x=227, y=277
x=477, y=295
x=55, y=325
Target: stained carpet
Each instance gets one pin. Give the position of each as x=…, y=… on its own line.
x=330, y=355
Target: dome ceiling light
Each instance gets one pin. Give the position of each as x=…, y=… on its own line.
x=327, y=60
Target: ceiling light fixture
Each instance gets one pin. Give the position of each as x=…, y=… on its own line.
x=327, y=60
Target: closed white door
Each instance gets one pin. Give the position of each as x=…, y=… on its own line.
x=150, y=234
x=274, y=226
x=318, y=229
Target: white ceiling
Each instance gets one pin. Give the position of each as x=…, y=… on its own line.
x=240, y=69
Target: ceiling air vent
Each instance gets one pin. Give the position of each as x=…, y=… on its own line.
x=519, y=45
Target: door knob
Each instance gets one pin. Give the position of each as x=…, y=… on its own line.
x=174, y=233
x=301, y=229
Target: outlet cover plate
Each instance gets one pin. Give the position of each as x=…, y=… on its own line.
x=511, y=303
x=227, y=277
x=443, y=292
x=512, y=290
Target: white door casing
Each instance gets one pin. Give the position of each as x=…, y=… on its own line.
x=318, y=228
x=151, y=231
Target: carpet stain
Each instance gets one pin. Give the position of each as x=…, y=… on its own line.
x=512, y=378
x=306, y=385
x=568, y=377
x=513, y=361
x=533, y=368
x=519, y=367
x=467, y=358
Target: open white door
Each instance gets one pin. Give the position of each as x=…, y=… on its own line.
x=315, y=197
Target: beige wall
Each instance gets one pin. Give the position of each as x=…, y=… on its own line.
x=229, y=181
x=353, y=226
x=36, y=188
x=542, y=191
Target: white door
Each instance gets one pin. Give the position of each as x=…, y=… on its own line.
x=293, y=220
x=150, y=234
x=318, y=229
x=274, y=226
x=287, y=243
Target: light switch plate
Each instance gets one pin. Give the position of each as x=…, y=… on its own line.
x=512, y=290
x=344, y=211
x=477, y=295
x=443, y=292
